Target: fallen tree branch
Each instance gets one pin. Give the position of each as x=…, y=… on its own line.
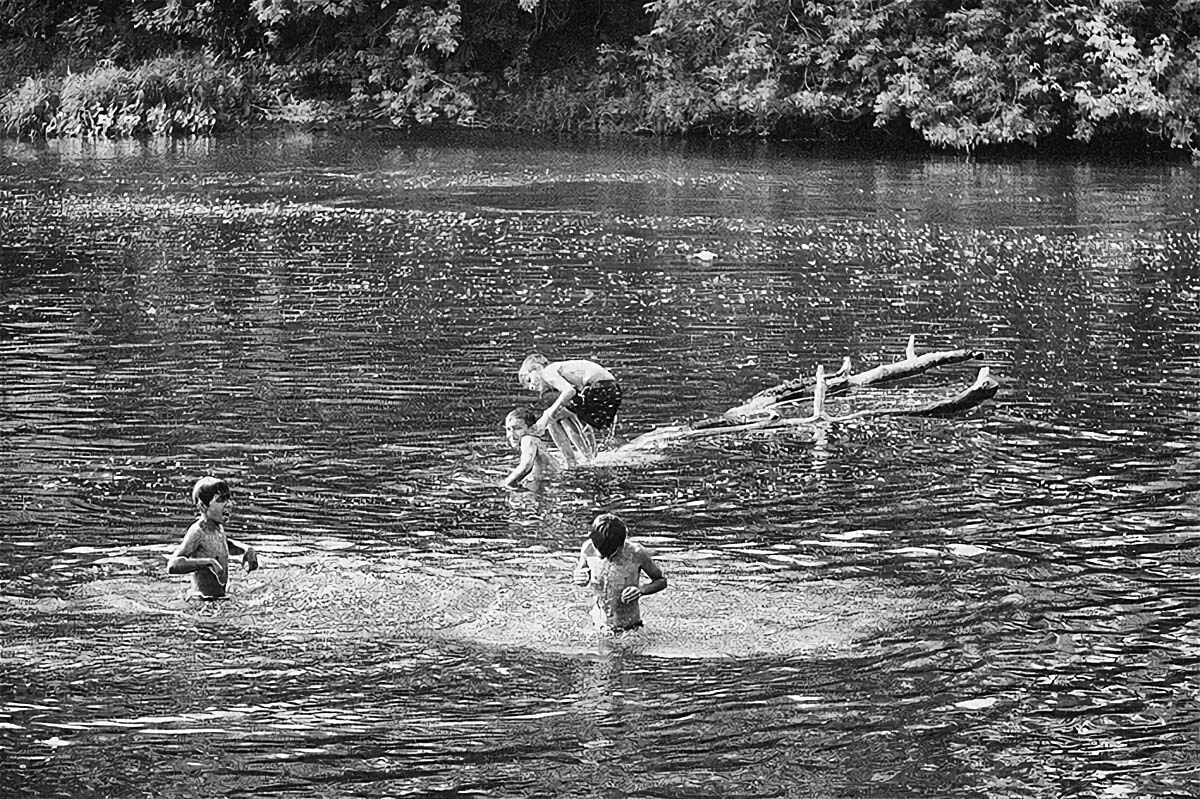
x=983, y=389
x=761, y=412
x=801, y=388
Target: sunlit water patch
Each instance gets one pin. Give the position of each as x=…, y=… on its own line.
x=706, y=613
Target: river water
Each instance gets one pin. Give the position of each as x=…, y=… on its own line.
x=1003, y=603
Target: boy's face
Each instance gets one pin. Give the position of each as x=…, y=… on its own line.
x=514, y=429
x=218, y=509
x=533, y=381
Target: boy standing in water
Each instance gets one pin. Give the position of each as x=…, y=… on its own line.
x=613, y=567
x=588, y=400
x=537, y=462
x=205, y=549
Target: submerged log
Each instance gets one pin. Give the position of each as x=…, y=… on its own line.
x=762, y=412
x=800, y=389
x=983, y=389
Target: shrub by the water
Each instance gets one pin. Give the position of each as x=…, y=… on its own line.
x=180, y=94
x=28, y=109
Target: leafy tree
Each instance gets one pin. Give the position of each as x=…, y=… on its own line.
x=961, y=74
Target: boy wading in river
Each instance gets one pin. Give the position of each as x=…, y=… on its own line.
x=205, y=549
x=613, y=567
x=537, y=462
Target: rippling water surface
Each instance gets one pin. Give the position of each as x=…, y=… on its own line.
x=1004, y=603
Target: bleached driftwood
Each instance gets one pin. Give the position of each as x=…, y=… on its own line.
x=761, y=412
x=800, y=389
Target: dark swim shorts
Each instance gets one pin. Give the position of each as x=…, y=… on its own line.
x=596, y=404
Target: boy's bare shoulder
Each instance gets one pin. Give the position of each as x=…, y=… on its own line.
x=639, y=551
x=191, y=537
x=202, y=537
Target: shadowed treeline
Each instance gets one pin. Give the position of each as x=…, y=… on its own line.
x=943, y=73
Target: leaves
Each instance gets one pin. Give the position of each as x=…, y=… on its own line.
x=176, y=95
x=961, y=75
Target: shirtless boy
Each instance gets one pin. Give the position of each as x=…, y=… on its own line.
x=588, y=399
x=537, y=462
x=205, y=549
x=614, y=566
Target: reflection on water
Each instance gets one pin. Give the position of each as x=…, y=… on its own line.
x=1002, y=604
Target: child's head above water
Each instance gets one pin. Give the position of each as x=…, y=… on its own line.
x=206, y=488
x=524, y=414
x=530, y=374
x=517, y=424
x=608, y=534
x=210, y=494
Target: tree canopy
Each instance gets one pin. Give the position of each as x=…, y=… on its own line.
x=958, y=74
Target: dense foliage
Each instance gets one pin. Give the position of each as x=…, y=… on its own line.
x=961, y=74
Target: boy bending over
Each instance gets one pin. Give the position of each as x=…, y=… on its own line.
x=588, y=399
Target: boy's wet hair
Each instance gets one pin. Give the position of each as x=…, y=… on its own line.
x=208, y=487
x=608, y=534
x=533, y=363
x=525, y=414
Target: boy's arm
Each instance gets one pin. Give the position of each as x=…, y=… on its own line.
x=249, y=554
x=181, y=560
x=566, y=392
x=658, y=580
x=582, y=574
x=528, y=456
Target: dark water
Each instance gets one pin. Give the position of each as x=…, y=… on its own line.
x=1003, y=604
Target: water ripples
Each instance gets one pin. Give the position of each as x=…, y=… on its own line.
x=1001, y=603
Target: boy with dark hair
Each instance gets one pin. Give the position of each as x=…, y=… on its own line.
x=205, y=549
x=613, y=566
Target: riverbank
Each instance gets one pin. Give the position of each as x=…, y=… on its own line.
x=197, y=95
x=949, y=78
